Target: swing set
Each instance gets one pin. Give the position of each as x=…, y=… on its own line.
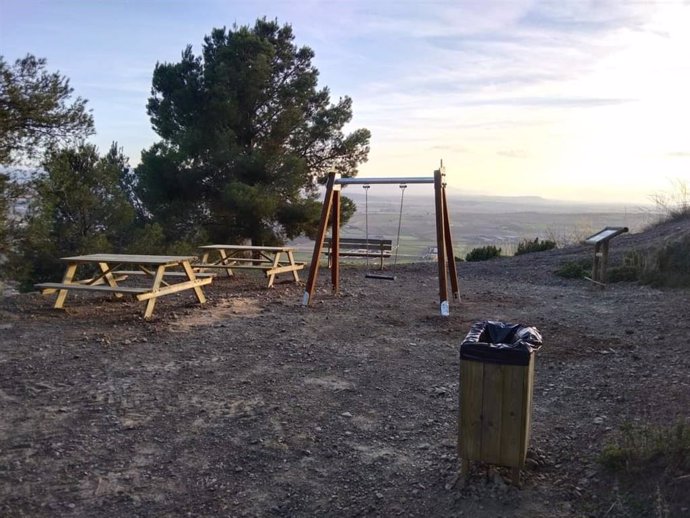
x=331, y=211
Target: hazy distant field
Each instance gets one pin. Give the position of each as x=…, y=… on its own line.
x=477, y=221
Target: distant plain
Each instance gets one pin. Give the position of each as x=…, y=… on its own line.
x=480, y=221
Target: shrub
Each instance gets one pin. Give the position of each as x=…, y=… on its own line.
x=672, y=265
x=574, y=269
x=634, y=264
x=673, y=205
x=527, y=247
x=623, y=273
x=640, y=448
x=647, y=462
x=483, y=253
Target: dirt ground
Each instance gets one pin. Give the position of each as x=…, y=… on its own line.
x=252, y=405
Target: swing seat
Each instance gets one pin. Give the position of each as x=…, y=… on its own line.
x=380, y=276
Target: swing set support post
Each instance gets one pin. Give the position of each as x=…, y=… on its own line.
x=441, y=244
x=331, y=211
x=320, y=238
x=450, y=254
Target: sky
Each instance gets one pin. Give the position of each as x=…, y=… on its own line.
x=583, y=100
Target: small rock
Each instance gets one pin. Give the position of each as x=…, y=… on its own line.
x=346, y=414
x=440, y=391
x=598, y=420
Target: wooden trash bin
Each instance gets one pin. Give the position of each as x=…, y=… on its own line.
x=496, y=386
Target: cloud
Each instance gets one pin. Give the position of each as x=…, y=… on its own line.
x=513, y=153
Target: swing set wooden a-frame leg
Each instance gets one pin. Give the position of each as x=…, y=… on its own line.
x=331, y=210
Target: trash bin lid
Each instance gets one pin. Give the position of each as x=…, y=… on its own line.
x=499, y=342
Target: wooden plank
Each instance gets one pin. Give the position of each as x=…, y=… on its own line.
x=347, y=253
x=253, y=248
x=230, y=260
x=513, y=415
x=167, y=274
x=595, y=264
x=285, y=269
x=604, y=262
x=492, y=410
x=264, y=267
x=130, y=259
x=66, y=279
x=440, y=244
x=223, y=260
x=52, y=286
x=154, y=293
x=452, y=266
x=528, y=389
x=241, y=266
x=471, y=383
x=291, y=259
x=107, y=273
x=149, y=294
x=193, y=279
x=372, y=244
x=318, y=242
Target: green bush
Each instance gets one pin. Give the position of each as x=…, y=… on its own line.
x=483, y=253
x=645, y=464
x=640, y=448
x=527, y=247
x=671, y=265
x=623, y=273
x=631, y=269
x=574, y=269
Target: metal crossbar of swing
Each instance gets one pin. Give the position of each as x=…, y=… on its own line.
x=377, y=181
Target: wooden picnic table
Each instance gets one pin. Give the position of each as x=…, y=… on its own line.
x=115, y=268
x=272, y=260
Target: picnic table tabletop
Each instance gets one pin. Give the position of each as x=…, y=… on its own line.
x=129, y=258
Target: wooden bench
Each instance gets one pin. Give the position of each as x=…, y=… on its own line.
x=52, y=287
x=125, y=273
x=360, y=247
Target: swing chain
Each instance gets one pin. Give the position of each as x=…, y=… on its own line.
x=397, y=242
x=366, y=221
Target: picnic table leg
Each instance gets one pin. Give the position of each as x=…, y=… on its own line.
x=66, y=279
x=224, y=260
x=109, y=277
x=151, y=303
x=192, y=277
x=204, y=260
x=291, y=258
x=272, y=276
